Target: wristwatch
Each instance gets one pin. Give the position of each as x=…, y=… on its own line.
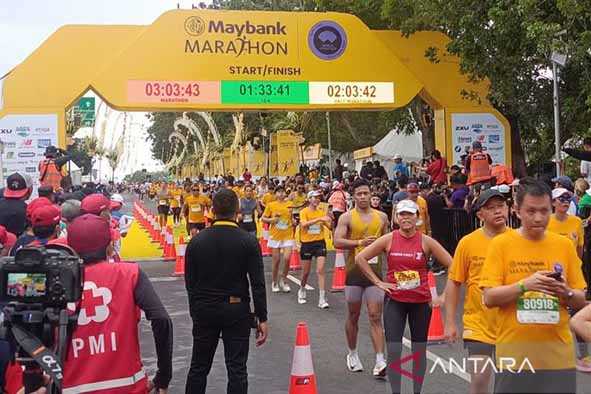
x=570, y=294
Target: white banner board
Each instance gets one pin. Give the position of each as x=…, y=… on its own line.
x=25, y=138
x=484, y=127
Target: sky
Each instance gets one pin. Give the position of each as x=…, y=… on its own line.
x=25, y=24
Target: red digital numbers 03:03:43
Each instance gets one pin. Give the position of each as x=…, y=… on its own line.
x=171, y=89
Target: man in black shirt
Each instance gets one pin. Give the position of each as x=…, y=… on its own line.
x=219, y=263
x=13, y=207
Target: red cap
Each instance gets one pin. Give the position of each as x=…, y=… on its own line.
x=46, y=215
x=36, y=203
x=95, y=204
x=89, y=234
x=7, y=240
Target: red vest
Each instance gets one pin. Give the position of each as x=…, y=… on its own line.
x=407, y=269
x=49, y=174
x=104, y=350
x=479, y=168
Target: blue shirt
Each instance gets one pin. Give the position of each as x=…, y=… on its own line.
x=402, y=168
x=458, y=197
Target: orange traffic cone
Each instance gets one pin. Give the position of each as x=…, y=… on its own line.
x=294, y=261
x=265, y=251
x=171, y=246
x=339, y=274
x=436, y=334
x=179, y=267
x=303, y=379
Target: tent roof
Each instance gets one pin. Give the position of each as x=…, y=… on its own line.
x=410, y=147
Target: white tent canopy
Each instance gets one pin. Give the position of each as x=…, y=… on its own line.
x=410, y=147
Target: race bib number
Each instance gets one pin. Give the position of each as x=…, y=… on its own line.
x=163, y=202
x=538, y=308
x=314, y=229
x=247, y=218
x=196, y=208
x=282, y=224
x=407, y=280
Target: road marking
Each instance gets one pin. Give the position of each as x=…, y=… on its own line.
x=433, y=357
x=166, y=278
x=297, y=282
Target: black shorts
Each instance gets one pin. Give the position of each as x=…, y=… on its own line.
x=477, y=348
x=337, y=215
x=176, y=211
x=163, y=209
x=313, y=249
x=198, y=226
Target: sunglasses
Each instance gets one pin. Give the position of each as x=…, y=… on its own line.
x=564, y=198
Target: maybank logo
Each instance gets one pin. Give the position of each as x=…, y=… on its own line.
x=195, y=26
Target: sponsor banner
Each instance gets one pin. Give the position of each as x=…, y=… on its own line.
x=25, y=138
x=482, y=127
x=287, y=153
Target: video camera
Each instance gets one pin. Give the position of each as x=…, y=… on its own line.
x=36, y=286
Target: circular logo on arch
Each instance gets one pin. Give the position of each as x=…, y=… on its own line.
x=194, y=25
x=327, y=40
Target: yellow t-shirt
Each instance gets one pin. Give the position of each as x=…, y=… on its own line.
x=175, y=201
x=572, y=228
x=197, y=207
x=239, y=191
x=314, y=232
x=282, y=230
x=359, y=229
x=479, y=321
x=536, y=325
x=423, y=215
x=267, y=198
x=163, y=198
x=299, y=201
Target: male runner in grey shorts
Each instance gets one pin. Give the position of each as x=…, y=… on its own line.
x=355, y=230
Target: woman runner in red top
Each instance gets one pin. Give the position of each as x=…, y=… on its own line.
x=408, y=296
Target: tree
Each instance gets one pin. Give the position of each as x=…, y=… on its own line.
x=113, y=157
x=509, y=43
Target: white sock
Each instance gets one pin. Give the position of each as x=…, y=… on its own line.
x=380, y=358
x=352, y=352
x=323, y=294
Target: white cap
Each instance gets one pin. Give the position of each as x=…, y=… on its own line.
x=504, y=189
x=559, y=191
x=117, y=198
x=314, y=193
x=335, y=184
x=397, y=156
x=407, y=206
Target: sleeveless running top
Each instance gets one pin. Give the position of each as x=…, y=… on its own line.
x=359, y=230
x=407, y=268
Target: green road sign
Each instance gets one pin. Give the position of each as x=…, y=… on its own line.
x=86, y=104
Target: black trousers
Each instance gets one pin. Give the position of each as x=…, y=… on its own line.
x=232, y=322
x=395, y=316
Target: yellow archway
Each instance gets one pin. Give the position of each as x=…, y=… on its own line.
x=235, y=60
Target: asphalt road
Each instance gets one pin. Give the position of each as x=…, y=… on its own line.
x=269, y=367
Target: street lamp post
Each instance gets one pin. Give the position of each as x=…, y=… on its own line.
x=558, y=60
x=329, y=145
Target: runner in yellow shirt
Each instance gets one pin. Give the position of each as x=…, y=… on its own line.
x=533, y=276
x=564, y=224
x=281, y=238
x=176, y=202
x=479, y=321
x=194, y=210
x=313, y=220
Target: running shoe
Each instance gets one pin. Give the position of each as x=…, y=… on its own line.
x=322, y=304
x=301, y=296
x=584, y=364
x=284, y=286
x=275, y=288
x=379, y=371
x=354, y=363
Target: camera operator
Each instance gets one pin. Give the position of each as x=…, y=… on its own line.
x=50, y=168
x=109, y=312
x=13, y=206
x=219, y=300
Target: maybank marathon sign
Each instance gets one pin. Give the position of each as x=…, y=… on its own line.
x=238, y=39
